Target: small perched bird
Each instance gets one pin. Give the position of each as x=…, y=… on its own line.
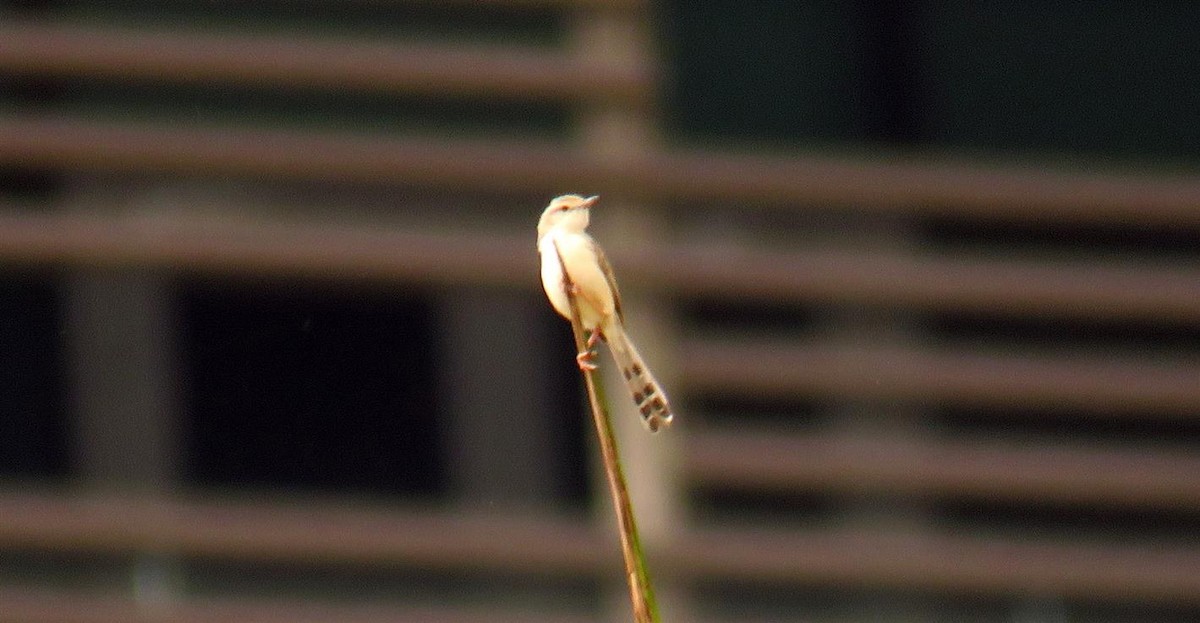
x=565, y=245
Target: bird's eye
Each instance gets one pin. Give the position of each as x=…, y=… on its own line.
x=564, y=207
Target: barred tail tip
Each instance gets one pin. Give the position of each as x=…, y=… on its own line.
x=648, y=396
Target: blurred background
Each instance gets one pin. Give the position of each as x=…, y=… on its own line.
x=923, y=280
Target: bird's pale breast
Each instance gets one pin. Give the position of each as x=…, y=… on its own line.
x=596, y=302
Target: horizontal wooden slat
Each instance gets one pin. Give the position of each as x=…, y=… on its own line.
x=53, y=141
x=1065, y=474
x=461, y=69
x=24, y=605
x=934, y=184
x=943, y=376
x=965, y=564
x=257, y=530
x=906, y=184
x=264, y=246
x=74, y=235
x=316, y=533
x=1097, y=289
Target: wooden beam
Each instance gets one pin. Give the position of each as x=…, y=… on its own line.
x=303, y=532
x=338, y=250
x=1125, y=387
x=1064, y=473
x=911, y=185
x=931, y=562
x=336, y=533
x=460, y=69
x=1064, y=288
x=22, y=605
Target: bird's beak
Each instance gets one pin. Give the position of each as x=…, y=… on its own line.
x=590, y=201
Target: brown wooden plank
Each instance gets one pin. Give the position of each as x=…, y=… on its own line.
x=492, y=165
x=264, y=530
x=458, y=69
x=906, y=184
x=244, y=245
x=1033, y=472
x=1078, y=288
x=1101, y=384
x=312, y=531
x=31, y=605
x=930, y=562
x=943, y=184
x=73, y=235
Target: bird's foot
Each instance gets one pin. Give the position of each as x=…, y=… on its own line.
x=584, y=360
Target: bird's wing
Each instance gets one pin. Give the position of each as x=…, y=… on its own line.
x=606, y=268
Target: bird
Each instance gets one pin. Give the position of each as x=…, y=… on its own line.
x=566, y=248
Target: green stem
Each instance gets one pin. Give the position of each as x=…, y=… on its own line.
x=641, y=593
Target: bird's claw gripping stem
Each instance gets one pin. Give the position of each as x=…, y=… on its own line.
x=585, y=358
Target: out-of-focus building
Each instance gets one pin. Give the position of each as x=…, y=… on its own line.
x=924, y=285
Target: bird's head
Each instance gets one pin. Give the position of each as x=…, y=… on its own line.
x=569, y=212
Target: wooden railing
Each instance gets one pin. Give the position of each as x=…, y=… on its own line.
x=445, y=70
x=1098, y=290
x=314, y=534
x=898, y=185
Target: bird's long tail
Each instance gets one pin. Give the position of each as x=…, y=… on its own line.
x=647, y=394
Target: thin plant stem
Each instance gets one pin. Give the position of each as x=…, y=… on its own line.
x=641, y=592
